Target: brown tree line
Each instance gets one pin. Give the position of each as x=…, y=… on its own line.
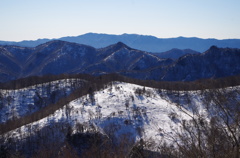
x=103, y=79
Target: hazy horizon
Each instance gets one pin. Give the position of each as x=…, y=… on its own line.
x=32, y=20
x=114, y=34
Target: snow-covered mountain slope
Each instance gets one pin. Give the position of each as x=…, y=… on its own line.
x=138, y=111
x=18, y=103
x=119, y=109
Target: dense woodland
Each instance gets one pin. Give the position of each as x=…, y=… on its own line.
x=203, y=136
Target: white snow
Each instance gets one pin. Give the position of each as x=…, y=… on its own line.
x=17, y=103
x=151, y=116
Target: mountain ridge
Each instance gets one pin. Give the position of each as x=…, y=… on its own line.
x=59, y=57
x=142, y=42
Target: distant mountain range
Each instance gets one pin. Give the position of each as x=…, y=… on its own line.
x=57, y=57
x=140, y=42
x=175, y=53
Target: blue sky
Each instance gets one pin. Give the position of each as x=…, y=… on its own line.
x=34, y=19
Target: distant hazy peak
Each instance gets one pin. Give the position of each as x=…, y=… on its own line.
x=214, y=47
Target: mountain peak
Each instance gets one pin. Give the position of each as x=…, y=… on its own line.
x=121, y=44
x=212, y=50
x=214, y=47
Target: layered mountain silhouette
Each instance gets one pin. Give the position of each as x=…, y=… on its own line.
x=57, y=57
x=214, y=63
x=140, y=42
x=175, y=53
